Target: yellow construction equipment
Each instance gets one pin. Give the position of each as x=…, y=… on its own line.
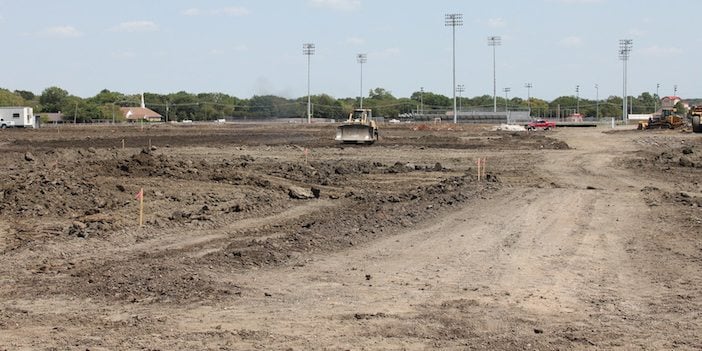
x=360, y=128
x=695, y=115
x=666, y=119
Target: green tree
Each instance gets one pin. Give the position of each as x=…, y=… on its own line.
x=380, y=94
x=432, y=100
x=680, y=109
x=8, y=98
x=325, y=106
x=26, y=95
x=52, y=99
x=272, y=106
x=183, y=106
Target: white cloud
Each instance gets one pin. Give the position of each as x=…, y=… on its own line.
x=658, y=51
x=496, y=23
x=241, y=48
x=571, y=42
x=61, y=32
x=136, y=26
x=339, y=5
x=355, y=41
x=235, y=11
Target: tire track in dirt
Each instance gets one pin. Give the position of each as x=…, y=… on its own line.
x=525, y=262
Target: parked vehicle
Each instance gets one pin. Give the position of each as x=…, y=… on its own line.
x=540, y=124
x=17, y=117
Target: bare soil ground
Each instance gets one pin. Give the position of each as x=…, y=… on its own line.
x=577, y=239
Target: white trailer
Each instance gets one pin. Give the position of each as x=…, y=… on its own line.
x=22, y=117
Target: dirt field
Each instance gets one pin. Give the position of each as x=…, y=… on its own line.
x=578, y=239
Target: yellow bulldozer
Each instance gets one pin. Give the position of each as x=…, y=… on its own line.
x=667, y=119
x=360, y=128
x=695, y=114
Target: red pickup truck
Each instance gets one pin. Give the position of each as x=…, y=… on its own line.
x=540, y=124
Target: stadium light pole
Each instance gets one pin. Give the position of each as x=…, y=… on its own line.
x=597, y=101
x=529, y=86
x=577, y=96
x=624, y=52
x=308, y=50
x=460, y=89
x=361, y=59
x=494, y=41
x=453, y=20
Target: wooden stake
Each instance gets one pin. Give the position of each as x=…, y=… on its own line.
x=479, y=173
x=140, y=196
x=122, y=143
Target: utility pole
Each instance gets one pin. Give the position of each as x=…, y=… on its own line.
x=577, y=96
x=421, y=100
x=454, y=20
x=597, y=101
x=308, y=50
x=361, y=59
x=675, y=90
x=658, y=97
x=507, y=90
x=494, y=41
x=624, y=52
x=529, y=86
x=460, y=89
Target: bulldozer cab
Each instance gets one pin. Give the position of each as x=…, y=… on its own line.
x=361, y=115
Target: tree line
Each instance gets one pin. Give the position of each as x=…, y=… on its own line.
x=211, y=106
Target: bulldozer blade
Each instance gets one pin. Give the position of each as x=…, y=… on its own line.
x=356, y=133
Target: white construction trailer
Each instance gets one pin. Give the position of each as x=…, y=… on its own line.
x=22, y=117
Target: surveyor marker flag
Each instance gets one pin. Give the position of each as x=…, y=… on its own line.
x=140, y=194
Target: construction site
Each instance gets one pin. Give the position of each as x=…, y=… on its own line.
x=275, y=236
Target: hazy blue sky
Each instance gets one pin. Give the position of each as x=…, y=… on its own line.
x=251, y=47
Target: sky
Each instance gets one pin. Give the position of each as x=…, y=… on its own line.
x=254, y=47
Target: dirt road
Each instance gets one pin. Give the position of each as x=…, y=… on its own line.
x=583, y=248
